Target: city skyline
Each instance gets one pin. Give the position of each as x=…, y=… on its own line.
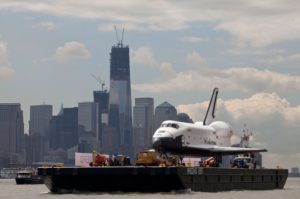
x=180, y=51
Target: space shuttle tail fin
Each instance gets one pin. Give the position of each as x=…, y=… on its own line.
x=210, y=113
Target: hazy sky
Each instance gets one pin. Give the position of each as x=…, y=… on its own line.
x=179, y=51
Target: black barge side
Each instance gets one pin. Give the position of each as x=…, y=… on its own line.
x=160, y=179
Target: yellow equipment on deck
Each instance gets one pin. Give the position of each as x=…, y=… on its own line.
x=151, y=158
x=148, y=158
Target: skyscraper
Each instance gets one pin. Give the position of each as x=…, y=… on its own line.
x=164, y=111
x=64, y=129
x=88, y=126
x=40, y=116
x=101, y=97
x=39, y=126
x=120, y=111
x=11, y=134
x=69, y=136
x=55, y=132
x=143, y=115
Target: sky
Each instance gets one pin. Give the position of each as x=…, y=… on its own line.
x=179, y=51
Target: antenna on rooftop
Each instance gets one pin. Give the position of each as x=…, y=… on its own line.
x=120, y=41
x=122, y=36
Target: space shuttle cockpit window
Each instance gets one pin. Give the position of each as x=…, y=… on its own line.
x=173, y=125
x=163, y=125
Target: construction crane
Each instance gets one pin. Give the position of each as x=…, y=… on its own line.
x=99, y=80
x=120, y=42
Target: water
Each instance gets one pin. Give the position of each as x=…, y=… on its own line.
x=9, y=189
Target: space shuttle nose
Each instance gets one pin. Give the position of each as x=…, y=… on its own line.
x=156, y=142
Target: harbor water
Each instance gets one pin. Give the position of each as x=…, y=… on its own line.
x=9, y=189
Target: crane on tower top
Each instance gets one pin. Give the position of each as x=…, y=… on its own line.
x=100, y=81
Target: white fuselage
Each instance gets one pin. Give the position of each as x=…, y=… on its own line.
x=177, y=136
x=198, y=139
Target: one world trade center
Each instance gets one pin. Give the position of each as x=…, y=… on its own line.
x=120, y=111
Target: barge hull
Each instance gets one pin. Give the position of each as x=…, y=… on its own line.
x=160, y=179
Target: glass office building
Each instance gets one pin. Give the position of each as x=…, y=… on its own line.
x=120, y=110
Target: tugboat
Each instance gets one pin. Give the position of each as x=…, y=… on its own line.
x=28, y=176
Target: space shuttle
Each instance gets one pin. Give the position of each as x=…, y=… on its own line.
x=207, y=138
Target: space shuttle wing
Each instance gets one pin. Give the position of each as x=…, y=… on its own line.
x=225, y=150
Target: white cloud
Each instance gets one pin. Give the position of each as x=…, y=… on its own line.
x=147, y=15
x=167, y=68
x=71, y=51
x=50, y=25
x=254, y=23
x=5, y=69
x=260, y=32
x=144, y=56
x=191, y=39
x=279, y=59
x=6, y=72
x=257, y=109
x=295, y=57
x=234, y=79
x=261, y=105
x=195, y=111
x=195, y=59
x=3, y=54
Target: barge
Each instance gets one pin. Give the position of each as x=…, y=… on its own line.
x=160, y=179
